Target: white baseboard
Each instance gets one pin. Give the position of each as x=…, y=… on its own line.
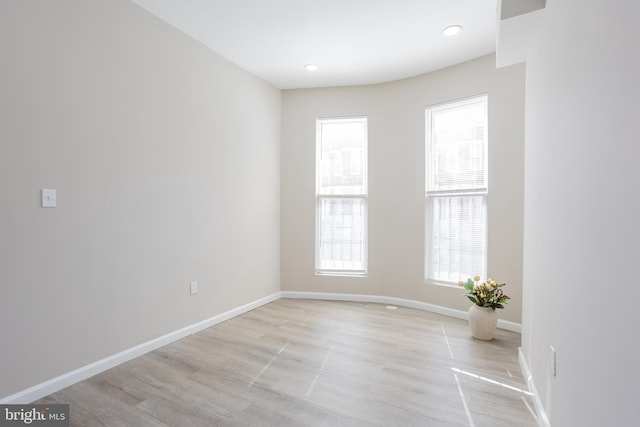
x=459, y=314
x=543, y=420
x=41, y=390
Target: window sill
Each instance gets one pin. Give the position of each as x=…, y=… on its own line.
x=341, y=273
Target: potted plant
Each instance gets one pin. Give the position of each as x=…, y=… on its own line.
x=486, y=297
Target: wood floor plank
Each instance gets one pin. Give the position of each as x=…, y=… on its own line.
x=315, y=363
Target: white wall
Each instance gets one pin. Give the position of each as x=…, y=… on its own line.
x=581, y=212
x=166, y=162
x=396, y=181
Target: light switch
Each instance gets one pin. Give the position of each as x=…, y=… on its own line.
x=48, y=198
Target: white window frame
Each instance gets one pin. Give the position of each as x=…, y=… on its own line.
x=320, y=197
x=431, y=193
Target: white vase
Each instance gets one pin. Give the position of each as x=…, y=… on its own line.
x=483, y=322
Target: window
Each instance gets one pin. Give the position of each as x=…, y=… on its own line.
x=341, y=196
x=456, y=190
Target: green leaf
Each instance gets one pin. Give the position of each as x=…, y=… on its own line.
x=468, y=285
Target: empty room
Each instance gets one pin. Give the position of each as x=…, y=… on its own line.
x=337, y=213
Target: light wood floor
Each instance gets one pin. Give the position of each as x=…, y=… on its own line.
x=314, y=363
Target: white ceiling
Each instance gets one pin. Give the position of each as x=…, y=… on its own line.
x=353, y=42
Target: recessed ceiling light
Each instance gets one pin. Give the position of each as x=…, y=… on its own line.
x=311, y=67
x=452, y=30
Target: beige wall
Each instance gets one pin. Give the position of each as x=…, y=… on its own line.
x=396, y=181
x=581, y=212
x=166, y=162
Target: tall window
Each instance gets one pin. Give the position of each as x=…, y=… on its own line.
x=456, y=190
x=341, y=196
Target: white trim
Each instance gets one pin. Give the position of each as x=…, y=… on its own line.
x=543, y=420
x=342, y=273
x=43, y=389
x=459, y=314
x=343, y=196
x=456, y=193
x=431, y=194
x=363, y=195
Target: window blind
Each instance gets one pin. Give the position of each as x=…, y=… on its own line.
x=341, y=195
x=456, y=190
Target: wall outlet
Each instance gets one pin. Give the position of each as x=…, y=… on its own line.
x=194, y=288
